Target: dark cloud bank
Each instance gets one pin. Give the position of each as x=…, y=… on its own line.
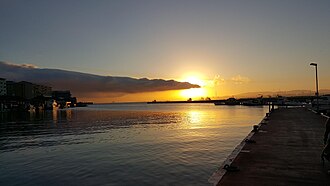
x=83, y=84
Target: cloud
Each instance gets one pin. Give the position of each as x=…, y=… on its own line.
x=217, y=80
x=240, y=79
x=84, y=84
x=8, y=64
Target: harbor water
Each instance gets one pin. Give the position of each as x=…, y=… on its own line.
x=121, y=144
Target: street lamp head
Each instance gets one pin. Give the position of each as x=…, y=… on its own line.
x=313, y=64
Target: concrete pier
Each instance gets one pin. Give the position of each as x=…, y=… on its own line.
x=286, y=151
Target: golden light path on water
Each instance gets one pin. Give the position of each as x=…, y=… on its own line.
x=194, y=119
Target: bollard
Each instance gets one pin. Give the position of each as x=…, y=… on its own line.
x=255, y=128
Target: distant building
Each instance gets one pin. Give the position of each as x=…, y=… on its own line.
x=25, y=90
x=3, y=87
x=21, y=89
x=10, y=85
x=64, y=99
x=42, y=90
x=60, y=95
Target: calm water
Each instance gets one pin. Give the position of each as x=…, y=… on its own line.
x=121, y=144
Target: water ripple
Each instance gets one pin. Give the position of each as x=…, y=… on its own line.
x=162, y=145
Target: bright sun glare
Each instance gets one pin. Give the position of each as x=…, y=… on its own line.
x=194, y=92
x=194, y=80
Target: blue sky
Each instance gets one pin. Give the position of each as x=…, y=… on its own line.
x=269, y=42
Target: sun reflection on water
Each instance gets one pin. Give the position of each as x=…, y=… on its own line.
x=195, y=119
x=68, y=114
x=55, y=116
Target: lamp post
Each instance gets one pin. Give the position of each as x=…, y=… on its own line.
x=317, y=87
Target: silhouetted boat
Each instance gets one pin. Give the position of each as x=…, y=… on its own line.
x=254, y=102
x=229, y=101
x=219, y=103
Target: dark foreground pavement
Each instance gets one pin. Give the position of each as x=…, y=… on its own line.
x=287, y=152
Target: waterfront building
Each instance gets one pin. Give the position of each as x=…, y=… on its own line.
x=61, y=95
x=25, y=90
x=10, y=85
x=40, y=96
x=64, y=99
x=3, y=87
x=42, y=90
x=21, y=89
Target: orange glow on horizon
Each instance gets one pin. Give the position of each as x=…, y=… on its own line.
x=194, y=93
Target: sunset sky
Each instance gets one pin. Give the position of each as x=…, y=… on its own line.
x=226, y=47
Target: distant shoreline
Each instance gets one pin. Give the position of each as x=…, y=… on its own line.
x=198, y=101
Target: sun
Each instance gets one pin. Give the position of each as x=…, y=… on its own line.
x=194, y=93
x=194, y=80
